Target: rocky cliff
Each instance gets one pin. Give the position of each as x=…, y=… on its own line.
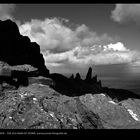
x=18, y=50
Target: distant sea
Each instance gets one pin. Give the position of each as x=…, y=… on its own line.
x=121, y=76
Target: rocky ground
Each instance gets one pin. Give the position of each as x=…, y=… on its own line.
x=38, y=106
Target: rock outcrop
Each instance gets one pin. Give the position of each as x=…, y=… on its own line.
x=76, y=86
x=40, y=107
x=71, y=77
x=89, y=75
x=19, y=50
x=113, y=115
x=78, y=77
x=16, y=75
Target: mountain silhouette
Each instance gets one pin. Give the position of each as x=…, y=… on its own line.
x=19, y=50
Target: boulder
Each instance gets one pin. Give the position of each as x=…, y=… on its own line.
x=13, y=71
x=16, y=75
x=114, y=115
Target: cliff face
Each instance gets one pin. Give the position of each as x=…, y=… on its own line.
x=18, y=50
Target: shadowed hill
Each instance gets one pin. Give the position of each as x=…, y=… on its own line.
x=75, y=86
x=119, y=94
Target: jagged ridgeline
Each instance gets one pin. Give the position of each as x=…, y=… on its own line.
x=89, y=79
x=16, y=49
x=75, y=85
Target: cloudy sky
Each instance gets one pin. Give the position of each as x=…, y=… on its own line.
x=73, y=37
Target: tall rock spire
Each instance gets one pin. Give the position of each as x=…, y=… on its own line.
x=89, y=75
x=71, y=77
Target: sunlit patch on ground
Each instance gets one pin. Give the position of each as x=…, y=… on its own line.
x=133, y=114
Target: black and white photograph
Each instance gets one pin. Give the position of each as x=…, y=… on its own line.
x=68, y=67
